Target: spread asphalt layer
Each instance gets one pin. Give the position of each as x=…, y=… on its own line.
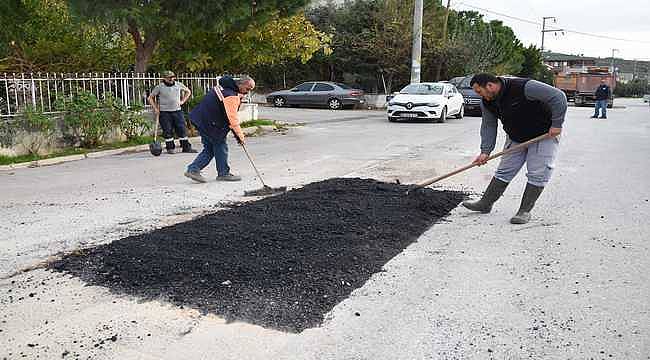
x=281, y=262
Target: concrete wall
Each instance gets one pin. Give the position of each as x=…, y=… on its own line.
x=246, y=112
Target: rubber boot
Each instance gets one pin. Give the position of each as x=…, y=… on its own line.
x=170, y=147
x=186, y=146
x=531, y=194
x=491, y=194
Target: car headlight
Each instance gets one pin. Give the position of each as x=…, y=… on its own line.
x=391, y=103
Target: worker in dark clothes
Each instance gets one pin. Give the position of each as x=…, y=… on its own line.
x=214, y=118
x=527, y=109
x=603, y=93
x=166, y=99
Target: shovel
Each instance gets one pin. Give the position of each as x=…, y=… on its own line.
x=265, y=190
x=467, y=167
x=155, y=148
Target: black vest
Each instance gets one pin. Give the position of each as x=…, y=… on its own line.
x=522, y=119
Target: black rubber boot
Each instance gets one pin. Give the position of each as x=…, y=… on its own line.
x=187, y=147
x=531, y=194
x=170, y=147
x=491, y=194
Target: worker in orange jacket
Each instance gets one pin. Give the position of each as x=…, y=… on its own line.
x=214, y=118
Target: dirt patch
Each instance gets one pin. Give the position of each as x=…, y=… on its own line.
x=282, y=262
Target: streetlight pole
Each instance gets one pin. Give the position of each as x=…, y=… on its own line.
x=416, y=55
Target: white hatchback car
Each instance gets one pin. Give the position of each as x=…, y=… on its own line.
x=433, y=101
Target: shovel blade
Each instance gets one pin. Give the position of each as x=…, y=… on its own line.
x=155, y=148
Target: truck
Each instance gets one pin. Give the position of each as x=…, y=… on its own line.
x=580, y=84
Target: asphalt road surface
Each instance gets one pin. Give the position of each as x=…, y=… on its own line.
x=571, y=284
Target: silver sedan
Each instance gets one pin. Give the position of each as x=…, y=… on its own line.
x=333, y=95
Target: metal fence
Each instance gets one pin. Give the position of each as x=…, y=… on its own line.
x=42, y=90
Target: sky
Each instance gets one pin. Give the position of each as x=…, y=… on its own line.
x=623, y=19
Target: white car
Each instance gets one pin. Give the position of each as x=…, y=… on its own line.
x=433, y=101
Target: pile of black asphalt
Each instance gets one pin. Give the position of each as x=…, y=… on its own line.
x=280, y=262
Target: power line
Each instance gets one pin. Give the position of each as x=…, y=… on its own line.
x=539, y=24
x=501, y=14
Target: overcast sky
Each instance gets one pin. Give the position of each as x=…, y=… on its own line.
x=625, y=19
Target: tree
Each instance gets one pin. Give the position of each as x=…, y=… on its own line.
x=533, y=66
x=152, y=21
x=277, y=41
x=41, y=36
x=489, y=46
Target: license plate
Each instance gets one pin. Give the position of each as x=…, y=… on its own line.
x=408, y=115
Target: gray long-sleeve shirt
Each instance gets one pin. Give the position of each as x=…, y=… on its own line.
x=534, y=90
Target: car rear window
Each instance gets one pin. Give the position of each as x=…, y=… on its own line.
x=343, y=86
x=423, y=89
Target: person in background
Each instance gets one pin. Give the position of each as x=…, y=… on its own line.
x=603, y=93
x=166, y=99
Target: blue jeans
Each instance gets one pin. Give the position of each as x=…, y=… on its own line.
x=212, y=148
x=601, y=104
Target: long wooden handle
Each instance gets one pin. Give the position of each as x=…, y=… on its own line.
x=467, y=167
x=155, y=132
x=253, y=163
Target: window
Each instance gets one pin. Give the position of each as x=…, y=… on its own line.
x=323, y=87
x=343, y=86
x=303, y=87
x=423, y=89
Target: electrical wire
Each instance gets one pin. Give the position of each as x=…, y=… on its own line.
x=559, y=30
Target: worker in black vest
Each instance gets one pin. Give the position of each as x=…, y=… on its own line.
x=527, y=109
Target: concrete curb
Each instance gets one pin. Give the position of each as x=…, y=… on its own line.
x=90, y=155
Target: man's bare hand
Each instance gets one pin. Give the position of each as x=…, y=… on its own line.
x=553, y=132
x=481, y=159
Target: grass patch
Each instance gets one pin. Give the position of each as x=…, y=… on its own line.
x=8, y=160
x=258, y=122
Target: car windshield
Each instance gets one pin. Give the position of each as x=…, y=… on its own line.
x=422, y=89
x=465, y=83
x=343, y=86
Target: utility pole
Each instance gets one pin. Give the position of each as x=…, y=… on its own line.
x=444, y=38
x=416, y=56
x=544, y=30
x=613, y=68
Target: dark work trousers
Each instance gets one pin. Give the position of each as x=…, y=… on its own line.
x=173, y=122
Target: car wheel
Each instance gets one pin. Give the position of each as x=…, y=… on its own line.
x=461, y=113
x=334, y=104
x=279, y=101
x=443, y=115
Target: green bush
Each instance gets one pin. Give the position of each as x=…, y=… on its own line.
x=635, y=88
x=130, y=121
x=38, y=129
x=85, y=122
x=133, y=123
